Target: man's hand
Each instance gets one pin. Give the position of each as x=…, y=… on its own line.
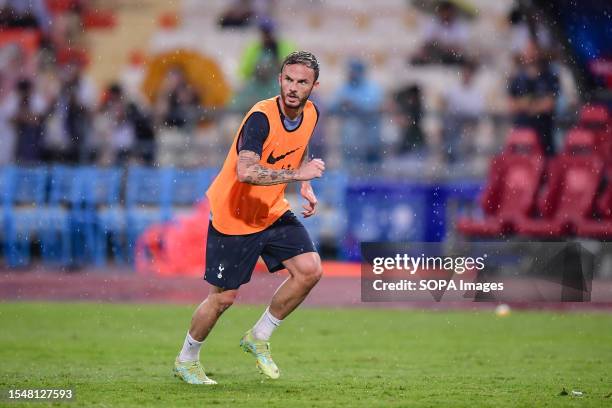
x=310, y=170
x=307, y=192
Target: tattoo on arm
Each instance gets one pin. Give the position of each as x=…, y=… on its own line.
x=254, y=173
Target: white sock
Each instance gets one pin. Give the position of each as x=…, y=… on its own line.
x=191, y=349
x=265, y=326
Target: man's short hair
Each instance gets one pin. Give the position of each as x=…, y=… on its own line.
x=302, y=57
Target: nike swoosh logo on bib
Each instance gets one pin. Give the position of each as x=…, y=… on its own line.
x=272, y=159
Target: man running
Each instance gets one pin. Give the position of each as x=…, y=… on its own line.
x=252, y=218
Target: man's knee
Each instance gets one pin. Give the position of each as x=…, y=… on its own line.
x=310, y=272
x=223, y=300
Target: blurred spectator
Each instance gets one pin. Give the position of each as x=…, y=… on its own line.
x=445, y=37
x=243, y=13
x=317, y=147
x=525, y=26
x=239, y=14
x=534, y=90
x=268, y=46
x=132, y=75
x=66, y=32
x=7, y=134
x=409, y=113
x=358, y=103
x=115, y=136
x=123, y=131
x=24, y=14
x=263, y=85
x=178, y=103
x=181, y=68
x=66, y=140
x=15, y=65
x=180, y=110
x=463, y=107
x=28, y=111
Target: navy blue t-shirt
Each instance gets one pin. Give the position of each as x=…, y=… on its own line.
x=545, y=84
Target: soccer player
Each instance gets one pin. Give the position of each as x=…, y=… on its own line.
x=252, y=218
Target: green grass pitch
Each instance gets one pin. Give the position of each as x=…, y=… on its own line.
x=122, y=355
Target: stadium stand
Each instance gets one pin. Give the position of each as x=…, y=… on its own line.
x=127, y=158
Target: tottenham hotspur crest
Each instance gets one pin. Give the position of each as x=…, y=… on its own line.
x=220, y=274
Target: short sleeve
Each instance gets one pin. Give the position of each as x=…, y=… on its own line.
x=254, y=133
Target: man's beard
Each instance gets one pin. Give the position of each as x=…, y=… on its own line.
x=300, y=102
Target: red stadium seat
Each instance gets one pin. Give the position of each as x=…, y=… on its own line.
x=600, y=228
x=62, y=6
x=513, y=182
x=594, y=114
x=572, y=183
x=597, y=119
x=99, y=19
